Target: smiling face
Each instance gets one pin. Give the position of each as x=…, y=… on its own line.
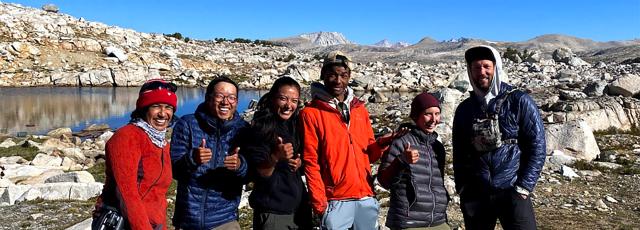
x=159, y=116
x=285, y=102
x=336, y=80
x=428, y=120
x=482, y=74
x=223, y=101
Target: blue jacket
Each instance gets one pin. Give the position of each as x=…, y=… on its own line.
x=512, y=164
x=208, y=194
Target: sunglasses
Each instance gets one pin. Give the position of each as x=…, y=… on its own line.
x=158, y=84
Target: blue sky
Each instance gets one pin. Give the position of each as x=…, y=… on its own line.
x=366, y=22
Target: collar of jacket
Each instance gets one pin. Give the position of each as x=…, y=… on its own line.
x=322, y=99
x=504, y=88
x=428, y=138
x=213, y=123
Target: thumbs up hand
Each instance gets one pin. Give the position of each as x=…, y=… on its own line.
x=410, y=155
x=282, y=151
x=202, y=154
x=232, y=161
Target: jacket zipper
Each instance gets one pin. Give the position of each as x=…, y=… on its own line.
x=352, y=150
x=433, y=195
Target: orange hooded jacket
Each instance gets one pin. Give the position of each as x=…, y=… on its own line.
x=337, y=155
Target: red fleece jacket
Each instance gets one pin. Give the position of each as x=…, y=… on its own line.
x=143, y=204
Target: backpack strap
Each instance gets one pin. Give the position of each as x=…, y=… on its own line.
x=498, y=109
x=501, y=100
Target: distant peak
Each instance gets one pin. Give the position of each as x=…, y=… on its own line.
x=326, y=38
x=386, y=43
x=460, y=39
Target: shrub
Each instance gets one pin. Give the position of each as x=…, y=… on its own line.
x=175, y=35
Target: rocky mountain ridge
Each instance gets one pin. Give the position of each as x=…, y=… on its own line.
x=590, y=108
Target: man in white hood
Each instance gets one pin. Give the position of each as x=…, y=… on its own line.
x=498, y=147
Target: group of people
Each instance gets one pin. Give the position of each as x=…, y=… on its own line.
x=498, y=153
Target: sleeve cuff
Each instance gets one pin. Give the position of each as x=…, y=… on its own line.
x=522, y=190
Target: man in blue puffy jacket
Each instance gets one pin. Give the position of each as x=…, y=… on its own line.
x=498, y=147
x=206, y=163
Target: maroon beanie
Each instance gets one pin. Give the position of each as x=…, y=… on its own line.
x=157, y=94
x=421, y=102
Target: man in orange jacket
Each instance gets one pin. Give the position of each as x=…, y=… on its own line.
x=339, y=147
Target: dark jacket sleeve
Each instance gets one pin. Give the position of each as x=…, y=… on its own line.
x=531, y=139
x=461, y=148
x=390, y=164
x=181, y=150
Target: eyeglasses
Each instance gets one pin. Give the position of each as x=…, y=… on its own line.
x=218, y=97
x=158, y=84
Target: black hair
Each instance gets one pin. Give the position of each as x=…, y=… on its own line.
x=265, y=120
x=139, y=113
x=215, y=81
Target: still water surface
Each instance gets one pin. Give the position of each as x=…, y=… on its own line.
x=40, y=109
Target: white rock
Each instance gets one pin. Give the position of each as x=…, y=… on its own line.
x=85, y=191
x=574, y=138
x=16, y=173
x=558, y=157
x=610, y=199
x=568, y=172
x=45, y=160
x=105, y=136
x=160, y=66
x=7, y=143
x=4, y=182
x=54, y=143
x=627, y=86
x=39, y=179
x=12, y=160
x=608, y=165
x=77, y=177
x=30, y=194
x=10, y=194
x=56, y=133
x=74, y=153
x=601, y=206
x=115, y=52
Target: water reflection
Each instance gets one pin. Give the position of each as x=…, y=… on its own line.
x=38, y=110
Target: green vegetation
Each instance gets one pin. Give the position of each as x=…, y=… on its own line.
x=28, y=153
x=626, y=169
x=511, y=54
x=288, y=58
x=98, y=171
x=245, y=218
x=613, y=131
x=178, y=36
x=248, y=41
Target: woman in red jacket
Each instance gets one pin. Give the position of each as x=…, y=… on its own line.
x=138, y=165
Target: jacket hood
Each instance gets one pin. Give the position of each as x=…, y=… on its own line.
x=318, y=92
x=499, y=76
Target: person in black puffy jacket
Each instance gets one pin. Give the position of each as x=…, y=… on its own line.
x=272, y=147
x=498, y=147
x=413, y=169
